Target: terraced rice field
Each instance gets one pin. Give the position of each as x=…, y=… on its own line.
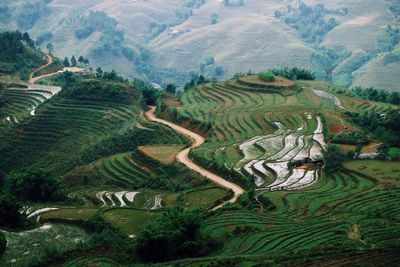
x=258, y=133
x=345, y=211
x=66, y=127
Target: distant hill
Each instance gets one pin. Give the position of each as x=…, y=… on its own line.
x=164, y=41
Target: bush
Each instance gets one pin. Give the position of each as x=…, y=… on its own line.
x=353, y=138
x=35, y=185
x=3, y=243
x=267, y=76
x=175, y=234
x=9, y=211
x=294, y=73
x=333, y=159
x=100, y=90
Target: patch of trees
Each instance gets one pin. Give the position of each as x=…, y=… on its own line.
x=196, y=80
x=325, y=60
x=352, y=138
x=101, y=90
x=384, y=127
x=3, y=243
x=395, y=9
x=214, y=18
x=249, y=200
x=377, y=95
x=333, y=158
x=74, y=62
x=391, y=38
x=391, y=58
x=30, y=12
x=309, y=21
x=233, y=3
x=175, y=234
x=35, y=185
x=9, y=211
x=95, y=21
x=149, y=93
x=18, y=53
x=294, y=73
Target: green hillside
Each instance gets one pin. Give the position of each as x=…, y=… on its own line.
x=258, y=170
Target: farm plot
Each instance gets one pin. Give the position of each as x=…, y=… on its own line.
x=257, y=133
x=28, y=247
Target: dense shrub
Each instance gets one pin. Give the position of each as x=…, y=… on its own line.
x=100, y=90
x=9, y=210
x=378, y=95
x=35, y=185
x=3, y=243
x=175, y=234
x=352, y=138
x=294, y=73
x=267, y=76
x=333, y=159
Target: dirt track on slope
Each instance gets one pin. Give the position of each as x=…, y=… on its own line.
x=183, y=156
x=49, y=61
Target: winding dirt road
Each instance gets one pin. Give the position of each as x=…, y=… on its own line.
x=183, y=156
x=49, y=61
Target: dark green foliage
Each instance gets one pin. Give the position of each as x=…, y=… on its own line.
x=66, y=62
x=391, y=38
x=383, y=127
x=104, y=233
x=267, y=76
x=44, y=37
x=9, y=211
x=149, y=93
x=30, y=12
x=351, y=138
x=3, y=243
x=213, y=18
x=309, y=21
x=249, y=200
x=18, y=53
x=175, y=234
x=92, y=89
x=294, y=73
x=171, y=88
x=35, y=185
x=333, y=159
x=73, y=61
x=378, y=95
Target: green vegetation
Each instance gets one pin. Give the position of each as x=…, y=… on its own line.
x=333, y=159
x=18, y=54
x=294, y=73
x=373, y=94
x=351, y=138
x=35, y=185
x=9, y=211
x=30, y=12
x=3, y=243
x=175, y=234
x=267, y=76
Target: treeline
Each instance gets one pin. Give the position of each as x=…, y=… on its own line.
x=294, y=73
x=377, y=95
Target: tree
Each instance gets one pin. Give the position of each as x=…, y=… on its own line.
x=175, y=234
x=99, y=72
x=333, y=158
x=73, y=61
x=50, y=48
x=9, y=210
x=81, y=60
x=36, y=185
x=66, y=62
x=214, y=18
x=86, y=62
x=3, y=243
x=171, y=88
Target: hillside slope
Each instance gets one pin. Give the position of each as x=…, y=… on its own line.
x=159, y=38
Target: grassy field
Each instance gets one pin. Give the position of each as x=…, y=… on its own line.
x=164, y=154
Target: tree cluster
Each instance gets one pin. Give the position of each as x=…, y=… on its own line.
x=294, y=73
x=384, y=127
x=333, y=158
x=175, y=234
x=267, y=76
x=377, y=95
x=107, y=89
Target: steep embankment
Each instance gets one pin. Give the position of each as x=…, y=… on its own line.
x=183, y=156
